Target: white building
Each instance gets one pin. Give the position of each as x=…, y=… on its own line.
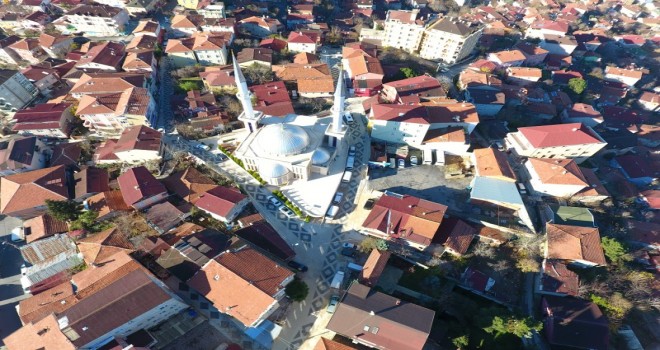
x=562, y=141
x=207, y=49
x=560, y=178
x=93, y=20
x=403, y=30
x=449, y=40
x=629, y=77
x=16, y=91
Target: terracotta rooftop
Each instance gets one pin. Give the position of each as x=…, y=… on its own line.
x=220, y=200
x=189, y=184
x=526, y=72
x=230, y=293
x=374, y=267
x=456, y=235
x=450, y=134
x=574, y=243
x=253, y=266
x=559, y=135
x=263, y=235
x=327, y=344
x=65, y=154
x=557, y=278
x=575, y=323
x=30, y=189
x=558, y=171
x=137, y=184
x=107, y=202
x=427, y=113
x=422, y=85
x=43, y=226
x=255, y=54
x=44, y=334
x=99, y=247
x=628, y=73
x=491, y=162
x=509, y=56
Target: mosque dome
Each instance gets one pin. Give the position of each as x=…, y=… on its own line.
x=282, y=139
x=320, y=156
x=272, y=170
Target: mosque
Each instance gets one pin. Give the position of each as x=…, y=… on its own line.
x=291, y=148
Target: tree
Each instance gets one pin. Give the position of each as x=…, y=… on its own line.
x=520, y=327
x=66, y=210
x=527, y=265
x=615, y=252
x=370, y=243
x=577, y=85
x=334, y=36
x=188, y=86
x=461, y=342
x=257, y=74
x=297, y=290
x=408, y=72
x=88, y=221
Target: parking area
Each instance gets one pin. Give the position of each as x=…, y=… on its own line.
x=423, y=181
x=203, y=337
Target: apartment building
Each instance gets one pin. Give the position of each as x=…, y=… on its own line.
x=93, y=20
x=16, y=91
x=403, y=30
x=203, y=48
x=449, y=40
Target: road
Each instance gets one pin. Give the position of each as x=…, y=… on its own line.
x=10, y=274
x=305, y=321
x=165, y=118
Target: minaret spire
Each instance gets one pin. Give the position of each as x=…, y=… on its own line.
x=338, y=108
x=243, y=93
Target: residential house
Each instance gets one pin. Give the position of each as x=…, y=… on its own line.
x=36, y=21
x=637, y=168
x=555, y=177
x=43, y=78
x=43, y=226
x=142, y=61
x=16, y=91
x=378, y=320
x=500, y=198
x=575, y=216
x=260, y=27
x=542, y=27
x=29, y=50
x=194, y=4
x=523, y=75
x=410, y=124
x=21, y=154
x=405, y=219
x=185, y=25
x=374, y=266
x=250, y=56
x=107, y=204
x=90, y=180
x=423, y=87
x=629, y=77
x=534, y=55
x=92, y=316
x=649, y=100
x=403, y=30
x=47, y=258
x=562, y=77
x=98, y=247
x=573, y=323
x=507, y=58
x=447, y=140
x=222, y=203
x=140, y=8
x=163, y=217
x=189, y=184
x=52, y=120
x=325, y=343
x=7, y=55
x=559, y=45
x=140, y=189
x=582, y=113
x=294, y=20
x=456, y=236
x=93, y=20
x=449, y=40
x=274, y=44
x=218, y=79
x=22, y=195
x=643, y=234
x=303, y=42
x=490, y=162
x=557, y=279
x=562, y=141
x=310, y=80
x=243, y=284
x=261, y=234
x=487, y=101
x=137, y=145
x=105, y=57
x=577, y=245
x=219, y=24
x=366, y=73
x=204, y=48
x=272, y=99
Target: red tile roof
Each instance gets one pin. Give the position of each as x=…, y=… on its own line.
x=253, y=266
x=559, y=135
x=43, y=226
x=137, y=184
x=557, y=278
x=30, y=189
x=374, y=267
x=426, y=114
x=220, y=200
x=566, y=242
x=456, y=235
x=493, y=163
x=189, y=184
x=558, y=171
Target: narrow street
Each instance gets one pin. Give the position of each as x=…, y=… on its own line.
x=11, y=291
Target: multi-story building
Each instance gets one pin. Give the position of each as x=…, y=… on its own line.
x=403, y=30
x=562, y=141
x=204, y=48
x=16, y=91
x=29, y=50
x=449, y=40
x=93, y=20
x=45, y=120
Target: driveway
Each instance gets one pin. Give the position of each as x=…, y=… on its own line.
x=11, y=291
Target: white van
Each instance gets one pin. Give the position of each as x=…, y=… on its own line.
x=439, y=157
x=332, y=212
x=428, y=156
x=350, y=162
x=337, y=280
x=347, y=176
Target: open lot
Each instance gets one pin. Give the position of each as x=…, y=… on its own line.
x=423, y=181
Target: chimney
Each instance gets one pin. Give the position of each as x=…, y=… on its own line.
x=372, y=313
x=398, y=302
x=216, y=277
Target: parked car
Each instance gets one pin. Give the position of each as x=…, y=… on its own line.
x=338, y=197
x=402, y=163
x=348, y=118
x=202, y=146
x=413, y=160
x=288, y=212
x=332, y=306
x=297, y=266
x=348, y=251
x=369, y=204
x=351, y=151
x=274, y=201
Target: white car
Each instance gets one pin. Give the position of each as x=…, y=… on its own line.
x=274, y=201
x=288, y=212
x=348, y=118
x=413, y=160
x=351, y=151
x=348, y=245
x=203, y=146
x=338, y=197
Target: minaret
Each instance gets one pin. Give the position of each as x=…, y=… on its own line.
x=249, y=117
x=338, y=108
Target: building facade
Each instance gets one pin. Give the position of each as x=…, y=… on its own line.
x=403, y=30
x=16, y=91
x=449, y=40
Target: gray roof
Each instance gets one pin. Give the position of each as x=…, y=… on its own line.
x=453, y=26
x=494, y=190
x=49, y=248
x=5, y=74
x=574, y=216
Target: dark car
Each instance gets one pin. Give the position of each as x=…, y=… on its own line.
x=369, y=204
x=348, y=251
x=297, y=266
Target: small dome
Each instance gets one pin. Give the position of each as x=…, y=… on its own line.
x=320, y=156
x=282, y=139
x=271, y=170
